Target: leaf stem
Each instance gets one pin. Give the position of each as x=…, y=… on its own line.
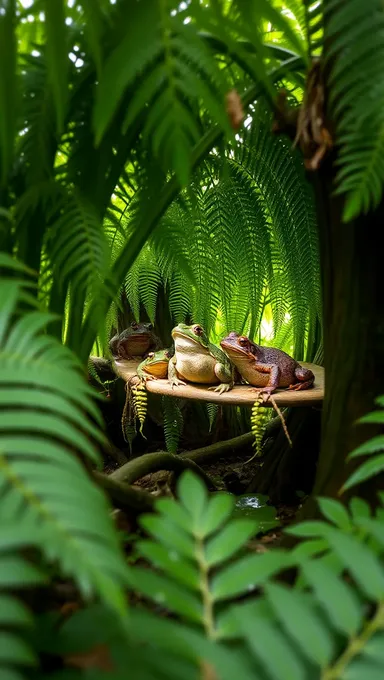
x=356, y=645
x=209, y=621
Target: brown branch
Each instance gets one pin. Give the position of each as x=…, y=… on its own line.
x=124, y=496
x=153, y=462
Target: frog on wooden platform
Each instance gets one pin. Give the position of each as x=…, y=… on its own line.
x=266, y=368
x=197, y=360
x=136, y=341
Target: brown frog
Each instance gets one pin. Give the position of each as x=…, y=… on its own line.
x=266, y=368
x=136, y=341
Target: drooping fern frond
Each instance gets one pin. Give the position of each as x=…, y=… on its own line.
x=78, y=249
x=273, y=170
x=46, y=429
x=8, y=86
x=161, y=64
x=356, y=57
x=173, y=423
x=375, y=463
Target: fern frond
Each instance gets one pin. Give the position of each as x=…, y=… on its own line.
x=16, y=574
x=173, y=423
x=8, y=86
x=78, y=248
x=37, y=143
x=57, y=55
x=46, y=404
x=212, y=410
x=273, y=170
x=162, y=68
x=360, y=120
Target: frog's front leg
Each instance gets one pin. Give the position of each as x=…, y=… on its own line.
x=225, y=376
x=172, y=374
x=273, y=382
x=144, y=377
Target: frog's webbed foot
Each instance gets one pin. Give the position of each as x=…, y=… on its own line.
x=223, y=387
x=264, y=391
x=301, y=385
x=145, y=378
x=175, y=382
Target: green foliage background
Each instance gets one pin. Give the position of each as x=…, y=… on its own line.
x=120, y=175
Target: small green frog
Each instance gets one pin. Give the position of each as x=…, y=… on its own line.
x=197, y=360
x=135, y=341
x=266, y=368
x=155, y=366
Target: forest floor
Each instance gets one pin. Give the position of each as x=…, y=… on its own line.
x=232, y=474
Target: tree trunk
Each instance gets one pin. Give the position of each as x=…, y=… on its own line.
x=353, y=322
x=284, y=470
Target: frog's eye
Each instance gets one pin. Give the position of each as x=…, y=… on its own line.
x=134, y=325
x=149, y=326
x=167, y=354
x=243, y=341
x=198, y=330
x=151, y=355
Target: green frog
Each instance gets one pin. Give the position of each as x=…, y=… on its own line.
x=197, y=360
x=266, y=368
x=135, y=341
x=155, y=366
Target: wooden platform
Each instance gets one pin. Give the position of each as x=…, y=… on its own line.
x=240, y=395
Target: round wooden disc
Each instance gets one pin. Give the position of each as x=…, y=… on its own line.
x=240, y=395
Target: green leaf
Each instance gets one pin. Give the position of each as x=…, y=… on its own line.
x=370, y=468
x=8, y=674
x=361, y=668
x=374, y=527
x=337, y=598
x=193, y=496
x=374, y=648
x=8, y=86
x=57, y=55
x=171, y=563
x=190, y=644
x=93, y=28
x=376, y=417
x=138, y=48
x=166, y=593
x=218, y=511
x=336, y=512
x=230, y=539
x=270, y=646
x=371, y=446
x=14, y=573
x=247, y=573
x=361, y=562
x=301, y=622
x=14, y=650
x=12, y=612
x=308, y=549
x=309, y=529
x=168, y=534
x=174, y=512
x=359, y=508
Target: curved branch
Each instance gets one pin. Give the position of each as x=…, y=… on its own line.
x=124, y=496
x=153, y=462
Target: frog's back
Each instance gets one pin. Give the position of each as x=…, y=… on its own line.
x=286, y=364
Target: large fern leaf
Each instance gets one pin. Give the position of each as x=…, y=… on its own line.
x=161, y=64
x=45, y=429
x=8, y=85
x=78, y=248
x=355, y=40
